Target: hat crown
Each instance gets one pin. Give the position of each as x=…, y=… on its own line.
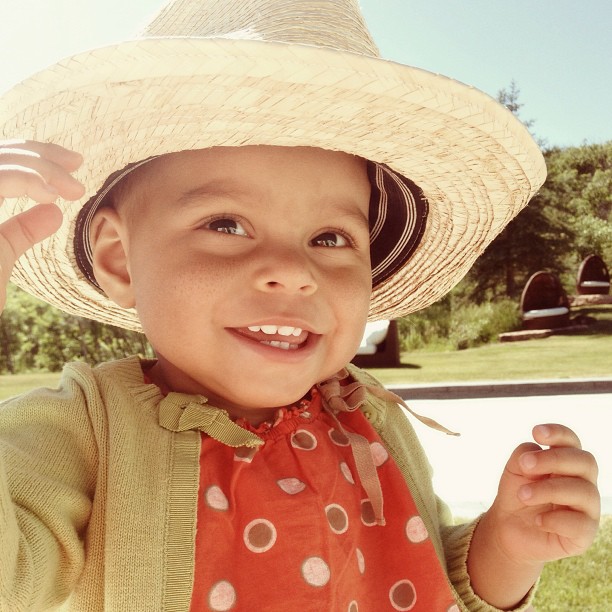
x=337, y=24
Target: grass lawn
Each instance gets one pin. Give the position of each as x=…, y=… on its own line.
x=583, y=355
x=19, y=383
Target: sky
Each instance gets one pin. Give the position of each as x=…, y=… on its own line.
x=558, y=52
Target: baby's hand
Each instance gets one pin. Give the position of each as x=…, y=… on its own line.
x=42, y=172
x=548, y=504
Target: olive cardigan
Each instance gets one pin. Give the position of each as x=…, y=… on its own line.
x=98, y=494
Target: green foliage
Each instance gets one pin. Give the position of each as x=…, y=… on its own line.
x=582, y=177
x=457, y=325
x=36, y=336
x=477, y=324
x=567, y=220
x=429, y=327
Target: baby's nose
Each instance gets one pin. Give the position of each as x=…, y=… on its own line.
x=286, y=271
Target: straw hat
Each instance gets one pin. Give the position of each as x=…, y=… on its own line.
x=290, y=73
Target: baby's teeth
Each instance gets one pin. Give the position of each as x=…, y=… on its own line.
x=281, y=345
x=289, y=331
x=283, y=330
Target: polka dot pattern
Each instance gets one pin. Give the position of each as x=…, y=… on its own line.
x=291, y=486
x=215, y=498
x=416, y=531
x=338, y=518
x=222, y=596
x=360, y=561
x=346, y=472
x=316, y=572
x=259, y=535
x=293, y=512
x=368, y=517
x=338, y=437
x=303, y=440
x=379, y=453
x=402, y=595
x=245, y=454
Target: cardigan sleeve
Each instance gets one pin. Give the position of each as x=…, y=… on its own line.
x=47, y=474
x=452, y=542
x=456, y=541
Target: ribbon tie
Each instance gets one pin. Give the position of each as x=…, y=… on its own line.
x=181, y=412
x=348, y=398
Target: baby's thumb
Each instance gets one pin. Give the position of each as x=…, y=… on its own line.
x=21, y=232
x=514, y=465
x=513, y=477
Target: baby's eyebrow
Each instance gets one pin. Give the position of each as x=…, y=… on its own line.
x=211, y=189
x=341, y=209
x=350, y=212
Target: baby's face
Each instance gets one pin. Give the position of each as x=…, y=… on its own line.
x=250, y=270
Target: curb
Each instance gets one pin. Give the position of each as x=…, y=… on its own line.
x=474, y=390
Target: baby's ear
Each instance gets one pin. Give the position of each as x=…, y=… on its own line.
x=108, y=236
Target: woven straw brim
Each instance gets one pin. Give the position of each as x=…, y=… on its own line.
x=476, y=163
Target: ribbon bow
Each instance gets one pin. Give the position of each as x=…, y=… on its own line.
x=181, y=412
x=348, y=398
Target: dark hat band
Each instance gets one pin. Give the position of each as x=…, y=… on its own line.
x=398, y=216
x=397, y=213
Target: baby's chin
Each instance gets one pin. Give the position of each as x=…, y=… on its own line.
x=258, y=402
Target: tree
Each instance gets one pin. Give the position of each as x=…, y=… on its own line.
x=510, y=99
x=582, y=176
x=570, y=218
x=536, y=238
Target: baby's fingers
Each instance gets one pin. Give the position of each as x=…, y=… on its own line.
x=21, y=232
x=568, y=461
x=42, y=177
x=554, y=434
x=574, y=529
x=577, y=494
x=67, y=159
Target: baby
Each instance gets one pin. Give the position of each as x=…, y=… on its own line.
x=249, y=466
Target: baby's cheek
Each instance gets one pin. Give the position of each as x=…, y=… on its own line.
x=352, y=307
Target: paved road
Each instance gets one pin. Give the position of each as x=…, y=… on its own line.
x=467, y=468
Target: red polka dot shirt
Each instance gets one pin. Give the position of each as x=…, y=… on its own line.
x=289, y=526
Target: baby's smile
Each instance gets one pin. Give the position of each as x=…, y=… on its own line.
x=284, y=337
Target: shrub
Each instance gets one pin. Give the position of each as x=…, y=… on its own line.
x=452, y=325
x=429, y=327
x=36, y=336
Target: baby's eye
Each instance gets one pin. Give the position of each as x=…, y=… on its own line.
x=227, y=226
x=330, y=239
